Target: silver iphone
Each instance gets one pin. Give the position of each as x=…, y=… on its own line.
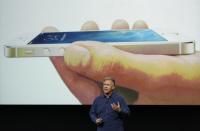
x=145, y=41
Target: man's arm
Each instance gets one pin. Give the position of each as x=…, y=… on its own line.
x=124, y=111
x=92, y=113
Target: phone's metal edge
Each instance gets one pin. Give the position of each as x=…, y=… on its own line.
x=178, y=48
x=15, y=51
x=187, y=47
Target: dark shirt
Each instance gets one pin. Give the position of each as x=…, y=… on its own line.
x=112, y=120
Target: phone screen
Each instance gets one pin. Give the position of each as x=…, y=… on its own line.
x=102, y=36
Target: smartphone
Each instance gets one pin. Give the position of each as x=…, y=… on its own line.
x=143, y=41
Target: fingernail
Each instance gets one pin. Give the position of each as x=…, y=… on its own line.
x=76, y=56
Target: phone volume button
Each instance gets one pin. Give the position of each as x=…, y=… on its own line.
x=28, y=51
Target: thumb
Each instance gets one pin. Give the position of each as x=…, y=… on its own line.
x=96, y=60
x=139, y=72
x=91, y=58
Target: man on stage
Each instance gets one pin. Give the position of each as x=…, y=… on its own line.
x=109, y=109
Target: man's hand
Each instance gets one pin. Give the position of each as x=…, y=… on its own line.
x=99, y=121
x=116, y=107
x=159, y=79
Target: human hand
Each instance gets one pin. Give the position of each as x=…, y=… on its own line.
x=99, y=121
x=158, y=79
x=116, y=107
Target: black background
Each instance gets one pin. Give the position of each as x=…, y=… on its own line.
x=76, y=118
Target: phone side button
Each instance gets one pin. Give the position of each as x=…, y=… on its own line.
x=28, y=51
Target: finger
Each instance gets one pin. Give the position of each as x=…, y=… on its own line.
x=50, y=29
x=120, y=24
x=83, y=88
x=76, y=56
x=89, y=25
x=140, y=24
x=113, y=105
x=118, y=104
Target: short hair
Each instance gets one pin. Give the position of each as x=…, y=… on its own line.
x=109, y=78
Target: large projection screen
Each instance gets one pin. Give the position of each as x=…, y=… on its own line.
x=141, y=79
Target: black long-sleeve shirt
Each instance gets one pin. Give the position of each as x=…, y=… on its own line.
x=112, y=120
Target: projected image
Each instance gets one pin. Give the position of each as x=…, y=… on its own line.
x=141, y=79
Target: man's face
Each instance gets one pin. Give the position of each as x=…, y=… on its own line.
x=108, y=86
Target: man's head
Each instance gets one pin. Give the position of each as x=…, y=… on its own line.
x=108, y=85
